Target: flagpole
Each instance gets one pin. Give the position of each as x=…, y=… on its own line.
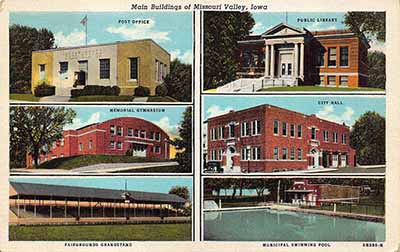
x=86, y=30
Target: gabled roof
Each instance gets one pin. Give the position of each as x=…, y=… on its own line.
x=283, y=29
x=74, y=192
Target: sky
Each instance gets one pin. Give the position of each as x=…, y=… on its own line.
x=265, y=21
x=348, y=112
x=169, y=120
x=172, y=30
x=146, y=184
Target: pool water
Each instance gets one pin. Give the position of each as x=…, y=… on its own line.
x=272, y=225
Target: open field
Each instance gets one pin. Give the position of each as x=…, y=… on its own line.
x=118, y=232
x=24, y=97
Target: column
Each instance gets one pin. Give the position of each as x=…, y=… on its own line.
x=272, y=61
x=266, y=61
x=302, y=60
x=295, y=65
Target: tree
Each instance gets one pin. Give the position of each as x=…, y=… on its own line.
x=184, y=142
x=181, y=191
x=222, y=30
x=367, y=137
x=24, y=40
x=367, y=22
x=376, y=69
x=35, y=128
x=179, y=81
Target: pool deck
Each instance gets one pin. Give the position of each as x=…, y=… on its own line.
x=279, y=207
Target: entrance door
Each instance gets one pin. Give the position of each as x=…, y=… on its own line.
x=286, y=65
x=83, y=72
x=335, y=162
x=315, y=157
x=229, y=157
x=139, y=150
x=343, y=161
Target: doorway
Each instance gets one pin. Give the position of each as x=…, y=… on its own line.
x=286, y=65
x=229, y=157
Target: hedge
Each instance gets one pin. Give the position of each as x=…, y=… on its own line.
x=142, y=91
x=44, y=90
x=162, y=90
x=20, y=87
x=96, y=90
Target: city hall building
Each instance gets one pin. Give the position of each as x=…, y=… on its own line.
x=267, y=138
x=289, y=56
x=127, y=64
x=117, y=136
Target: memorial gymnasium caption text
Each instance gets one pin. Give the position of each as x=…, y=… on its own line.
x=193, y=7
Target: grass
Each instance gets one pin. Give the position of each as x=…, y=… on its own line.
x=24, y=97
x=126, y=232
x=69, y=163
x=101, y=98
x=319, y=89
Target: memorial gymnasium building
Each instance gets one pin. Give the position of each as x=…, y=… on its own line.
x=289, y=56
x=117, y=136
x=127, y=64
x=267, y=138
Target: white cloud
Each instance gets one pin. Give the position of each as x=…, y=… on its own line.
x=259, y=28
x=185, y=57
x=74, y=38
x=77, y=123
x=328, y=113
x=317, y=26
x=215, y=110
x=140, y=31
x=377, y=45
x=165, y=124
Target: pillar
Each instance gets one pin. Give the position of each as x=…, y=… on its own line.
x=114, y=208
x=266, y=61
x=34, y=207
x=302, y=59
x=79, y=208
x=272, y=61
x=295, y=64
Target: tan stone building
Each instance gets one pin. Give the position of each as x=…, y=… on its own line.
x=127, y=64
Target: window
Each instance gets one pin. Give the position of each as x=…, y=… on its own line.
x=243, y=154
x=332, y=56
x=344, y=80
x=120, y=131
x=220, y=133
x=322, y=80
x=157, y=149
x=344, y=138
x=104, y=68
x=284, y=153
x=344, y=56
x=313, y=133
x=334, y=136
x=289, y=68
x=212, y=133
x=42, y=70
x=255, y=127
x=133, y=67
x=299, y=154
x=292, y=130
x=320, y=59
x=137, y=132
x=219, y=154
x=232, y=130
x=326, y=136
x=64, y=70
x=292, y=154
x=112, y=130
x=332, y=80
x=80, y=146
x=112, y=145
x=90, y=144
x=142, y=134
x=245, y=129
x=284, y=129
x=299, y=130
x=276, y=153
x=130, y=132
x=119, y=145
x=256, y=153
x=152, y=135
x=276, y=127
x=158, y=136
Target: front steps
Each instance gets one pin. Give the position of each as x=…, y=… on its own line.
x=250, y=85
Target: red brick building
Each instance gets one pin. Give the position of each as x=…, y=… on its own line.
x=113, y=137
x=267, y=138
x=287, y=55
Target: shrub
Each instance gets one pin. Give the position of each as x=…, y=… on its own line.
x=96, y=90
x=20, y=87
x=44, y=89
x=142, y=91
x=161, y=90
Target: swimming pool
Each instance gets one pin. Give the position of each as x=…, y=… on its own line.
x=272, y=225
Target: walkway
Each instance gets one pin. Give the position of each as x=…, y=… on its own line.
x=120, y=167
x=54, y=98
x=140, y=99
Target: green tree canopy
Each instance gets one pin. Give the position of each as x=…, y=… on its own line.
x=179, y=81
x=181, y=191
x=35, y=128
x=184, y=142
x=376, y=69
x=367, y=137
x=367, y=22
x=222, y=30
x=24, y=40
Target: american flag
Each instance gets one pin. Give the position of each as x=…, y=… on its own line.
x=84, y=20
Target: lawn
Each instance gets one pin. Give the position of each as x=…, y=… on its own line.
x=69, y=163
x=24, y=97
x=125, y=232
x=319, y=89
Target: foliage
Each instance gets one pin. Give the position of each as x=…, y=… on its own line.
x=367, y=22
x=24, y=40
x=367, y=137
x=179, y=81
x=184, y=142
x=96, y=90
x=34, y=128
x=162, y=90
x=181, y=191
x=43, y=89
x=376, y=69
x=142, y=91
x=222, y=30
x=20, y=87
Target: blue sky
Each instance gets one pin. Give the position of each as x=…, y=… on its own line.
x=172, y=30
x=146, y=184
x=351, y=109
x=168, y=120
x=265, y=21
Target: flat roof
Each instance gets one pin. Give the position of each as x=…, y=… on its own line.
x=27, y=190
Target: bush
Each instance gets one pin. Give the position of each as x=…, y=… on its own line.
x=161, y=90
x=96, y=90
x=20, y=87
x=142, y=91
x=44, y=89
